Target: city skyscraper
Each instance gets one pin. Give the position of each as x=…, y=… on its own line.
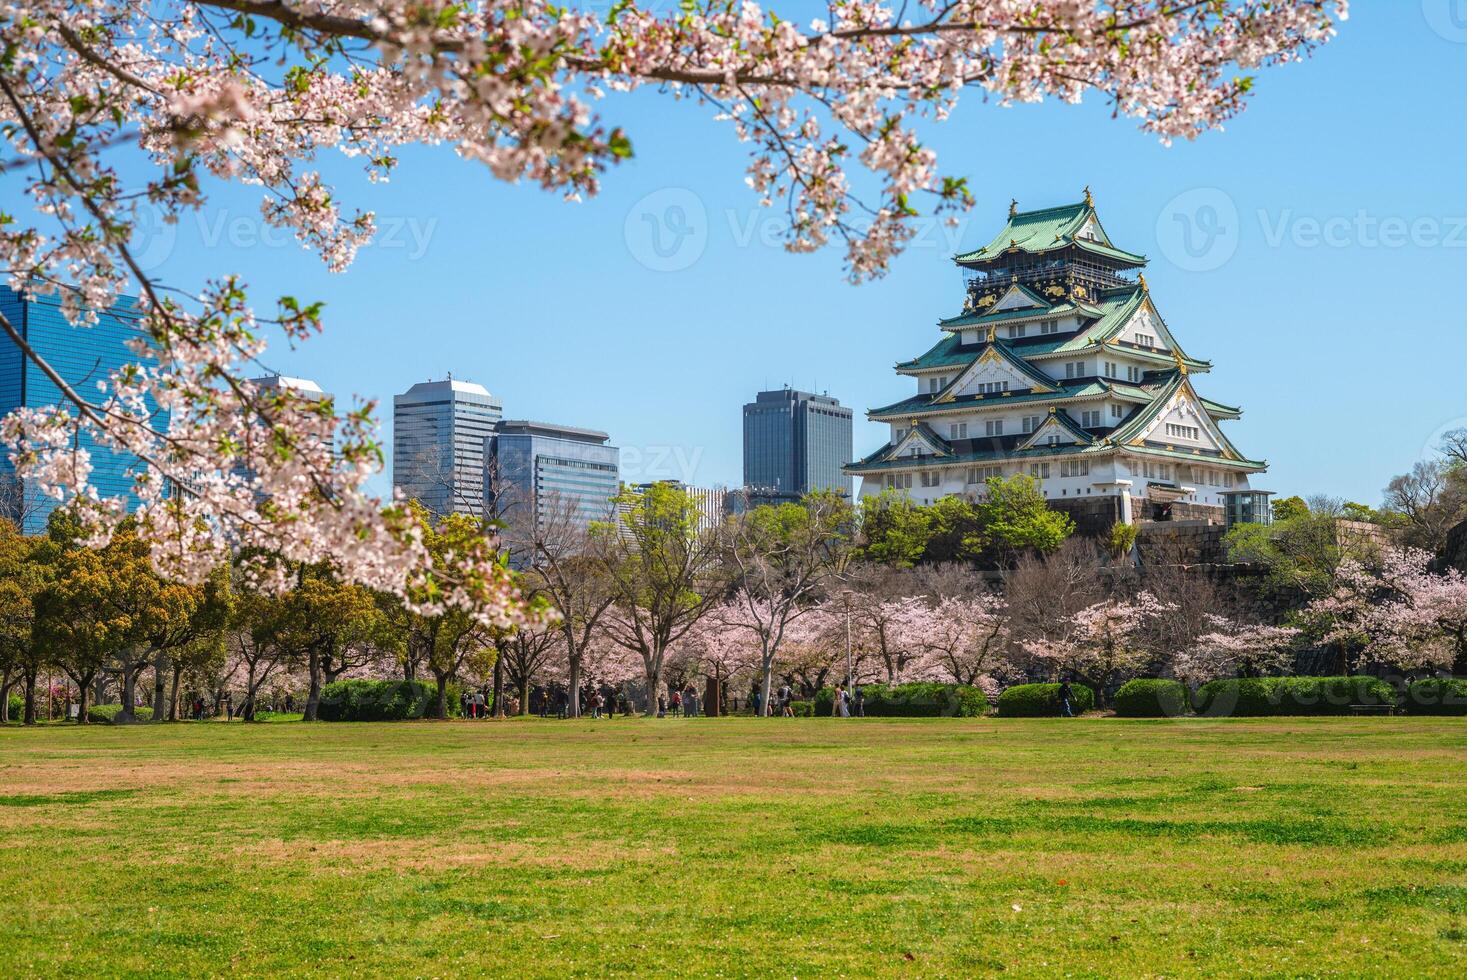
x=544, y=470
x=439, y=430
x=795, y=442
x=82, y=356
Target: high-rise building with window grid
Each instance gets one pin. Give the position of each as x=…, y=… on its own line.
x=795, y=442
x=438, y=433
x=82, y=356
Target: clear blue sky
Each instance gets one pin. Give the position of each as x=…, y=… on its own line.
x=1343, y=344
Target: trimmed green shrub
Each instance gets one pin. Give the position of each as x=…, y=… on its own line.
x=1041, y=700
x=1435, y=696
x=803, y=709
x=1264, y=696
x=106, y=714
x=916, y=700
x=17, y=707
x=1147, y=697
x=363, y=700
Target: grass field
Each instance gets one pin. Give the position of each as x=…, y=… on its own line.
x=785, y=847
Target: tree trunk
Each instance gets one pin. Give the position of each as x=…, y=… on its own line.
x=499, y=683
x=313, y=695
x=573, y=697
x=173, y=691
x=653, y=676
x=766, y=685
x=525, y=695
x=440, y=709
x=160, y=682
x=250, y=688
x=6, y=683
x=29, y=716
x=129, y=690
x=83, y=700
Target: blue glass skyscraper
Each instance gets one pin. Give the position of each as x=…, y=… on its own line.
x=542, y=472
x=82, y=356
x=795, y=442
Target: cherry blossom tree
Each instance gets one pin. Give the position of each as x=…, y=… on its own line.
x=781, y=557
x=963, y=638
x=1106, y=640
x=1234, y=649
x=755, y=631
x=111, y=106
x=1397, y=612
x=892, y=629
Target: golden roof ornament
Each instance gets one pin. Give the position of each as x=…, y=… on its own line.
x=1013, y=207
x=992, y=333
x=1141, y=281
x=1181, y=364
x=1089, y=201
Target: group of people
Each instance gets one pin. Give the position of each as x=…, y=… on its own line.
x=847, y=702
x=682, y=703
x=475, y=703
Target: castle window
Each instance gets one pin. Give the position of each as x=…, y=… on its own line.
x=1117, y=411
x=958, y=430
x=981, y=474
x=993, y=387
x=1016, y=330
x=1145, y=340
x=1090, y=420
x=1133, y=373
x=1049, y=326
x=1040, y=471
x=1182, y=431
x=1076, y=467
x=993, y=427
x=931, y=478
x=1031, y=422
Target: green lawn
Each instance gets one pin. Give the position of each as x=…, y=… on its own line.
x=789, y=847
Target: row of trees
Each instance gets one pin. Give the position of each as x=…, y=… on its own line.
x=806, y=593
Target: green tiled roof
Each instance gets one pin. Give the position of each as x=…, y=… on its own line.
x=1045, y=231
x=977, y=319
x=1064, y=421
x=924, y=403
x=877, y=461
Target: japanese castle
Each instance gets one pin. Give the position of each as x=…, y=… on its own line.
x=1060, y=366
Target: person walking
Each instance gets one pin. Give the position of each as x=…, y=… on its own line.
x=786, y=701
x=677, y=703
x=661, y=706
x=860, y=704
x=1066, y=699
x=690, y=699
x=835, y=701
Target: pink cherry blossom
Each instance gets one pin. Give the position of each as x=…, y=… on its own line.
x=110, y=104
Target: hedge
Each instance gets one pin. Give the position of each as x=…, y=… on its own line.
x=1147, y=697
x=106, y=714
x=1042, y=700
x=803, y=709
x=17, y=707
x=1436, y=696
x=1263, y=696
x=362, y=700
x=918, y=700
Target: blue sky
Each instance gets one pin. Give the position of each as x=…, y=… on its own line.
x=1312, y=251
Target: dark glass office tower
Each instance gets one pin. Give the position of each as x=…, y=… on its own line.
x=795, y=442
